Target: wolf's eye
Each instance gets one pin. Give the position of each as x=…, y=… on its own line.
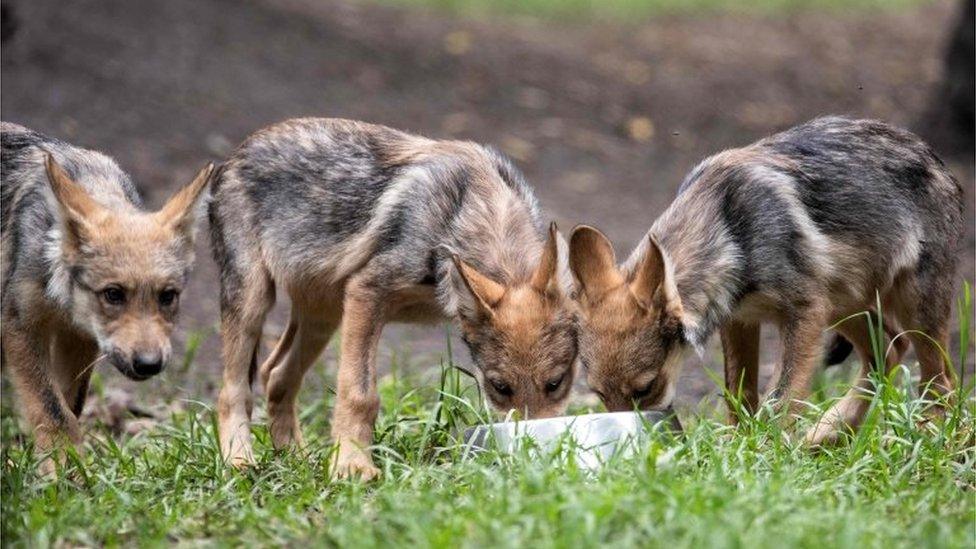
x=554, y=384
x=168, y=297
x=501, y=387
x=113, y=295
x=641, y=394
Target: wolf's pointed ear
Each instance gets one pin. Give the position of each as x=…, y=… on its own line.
x=181, y=211
x=592, y=261
x=652, y=281
x=546, y=276
x=482, y=293
x=563, y=274
x=79, y=211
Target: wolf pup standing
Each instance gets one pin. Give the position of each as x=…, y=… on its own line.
x=803, y=228
x=367, y=225
x=87, y=274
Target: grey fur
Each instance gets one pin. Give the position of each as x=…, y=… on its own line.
x=769, y=218
x=87, y=274
x=302, y=197
x=31, y=233
x=57, y=265
x=806, y=229
x=364, y=225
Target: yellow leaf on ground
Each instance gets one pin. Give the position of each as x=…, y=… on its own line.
x=640, y=128
x=457, y=42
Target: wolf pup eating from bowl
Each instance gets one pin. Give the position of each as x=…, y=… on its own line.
x=87, y=274
x=366, y=225
x=803, y=229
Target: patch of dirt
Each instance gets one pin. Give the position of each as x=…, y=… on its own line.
x=605, y=120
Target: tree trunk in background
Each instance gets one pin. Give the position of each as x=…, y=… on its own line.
x=949, y=122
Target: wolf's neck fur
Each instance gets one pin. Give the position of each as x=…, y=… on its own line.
x=499, y=229
x=499, y=233
x=58, y=281
x=705, y=263
x=506, y=242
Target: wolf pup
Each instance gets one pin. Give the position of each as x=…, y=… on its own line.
x=801, y=229
x=87, y=275
x=368, y=225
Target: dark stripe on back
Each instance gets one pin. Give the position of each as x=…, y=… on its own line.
x=760, y=223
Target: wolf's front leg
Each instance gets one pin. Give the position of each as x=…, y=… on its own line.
x=358, y=402
x=801, y=355
x=73, y=358
x=740, y=345
x=54, y=425
x=235, y=402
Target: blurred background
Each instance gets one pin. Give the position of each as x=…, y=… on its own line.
x=604, y=105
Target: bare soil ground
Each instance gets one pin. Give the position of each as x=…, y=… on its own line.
x=604, y=119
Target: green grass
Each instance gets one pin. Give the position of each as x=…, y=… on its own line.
x=631, y=10
x=893, y=485
x=898, y=482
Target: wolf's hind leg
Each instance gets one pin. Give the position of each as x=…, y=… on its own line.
x=244, y=304
x=925, y=305
x=312, y=333
x=278, y=353
x=839, y=348
x=849, y=411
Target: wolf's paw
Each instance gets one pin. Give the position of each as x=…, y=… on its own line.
x=824, y=433
x=285, y=432
x=239, y=455
x=47, y=469
x=242, y=462
x=355, y=464
x=235, y=442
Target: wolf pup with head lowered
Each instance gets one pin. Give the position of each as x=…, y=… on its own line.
x=365, y=225
x=803, y=228
x=87, y=274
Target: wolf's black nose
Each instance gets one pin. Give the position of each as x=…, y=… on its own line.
x=147, y=364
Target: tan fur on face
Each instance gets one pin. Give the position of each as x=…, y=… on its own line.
x=59, y=323
x=525, y=345
x=137, y=255
x=523, y=339
x=629, y=324
x=141, y=253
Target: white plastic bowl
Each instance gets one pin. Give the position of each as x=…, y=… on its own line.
x=597, y=437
